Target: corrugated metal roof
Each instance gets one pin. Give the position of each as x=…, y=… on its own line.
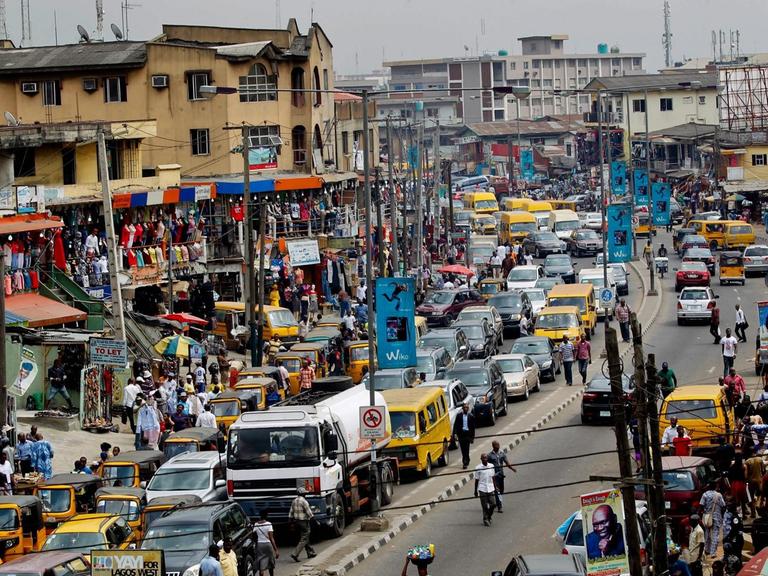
x=250, y=49
x=95, y=55
x=527, y=127
x=654, y=81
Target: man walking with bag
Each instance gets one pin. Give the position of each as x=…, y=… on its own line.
x=622, y=315
x=714, y=324
x=301, y=514
x=741, y=324
x=485, y=487
x=499, y=460
x=464, y=433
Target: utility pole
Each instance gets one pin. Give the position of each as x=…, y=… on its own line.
x=170, y=267
x=631, y=174
x=603, y=198
x=3, y=363
x=622, y=447
x=419, y=212
x=652, y=289
x=449, y=187
x=249, y=286
x=380, y=224
x=660, y=563
x=510, y=162
x=641, y=400
x=436, y=169
x=392, y=203
x=109, y=229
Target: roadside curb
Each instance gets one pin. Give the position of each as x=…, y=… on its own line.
x=355, y=558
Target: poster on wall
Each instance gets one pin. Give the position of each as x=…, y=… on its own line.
x=27, y=373
x=604, y=544
x=619, y=217
x=661, y=193
x=262, y=158
x=395, y=325
x=303, y=252
x=7, y=198
x=618, y=177
x=641, y=186
x=27, y=201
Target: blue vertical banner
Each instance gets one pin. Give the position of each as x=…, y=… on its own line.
x=619, y=239
x=395, y=324
x=527, y=167
x=641, y=187
x=661, y=192
x=618, y=177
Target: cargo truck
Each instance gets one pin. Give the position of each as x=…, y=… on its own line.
x=309, y=441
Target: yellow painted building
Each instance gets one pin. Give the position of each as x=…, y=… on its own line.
x=154, y=87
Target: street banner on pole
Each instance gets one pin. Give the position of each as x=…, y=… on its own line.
x=619, y=232
x=602, y=515
x=641, y=186
x=762, y=330
x=661, y=193
x=395, y=324
x=618, y=177
x=527, y=167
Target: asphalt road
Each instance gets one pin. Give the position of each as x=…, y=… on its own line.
x=465, y=546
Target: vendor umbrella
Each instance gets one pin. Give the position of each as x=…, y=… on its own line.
x=456, y=269
x=185, y=318
x=735, y=198
x=177, y=345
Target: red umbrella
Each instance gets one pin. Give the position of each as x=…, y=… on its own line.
x=185, y=318
x=456, y=269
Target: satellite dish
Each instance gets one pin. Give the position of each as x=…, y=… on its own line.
x=84, y=37
x=11, y=119
x=116, y=31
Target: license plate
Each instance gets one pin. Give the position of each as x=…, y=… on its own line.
x=605, y=413
x=692, y=276
x=694, y=307
x=667, y=505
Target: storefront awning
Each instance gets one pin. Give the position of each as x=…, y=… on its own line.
x=192, y=193
x=39, y=311
x=12, y=320
x=28, y=223
x=340, y=177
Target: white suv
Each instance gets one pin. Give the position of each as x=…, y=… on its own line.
x=695, y=303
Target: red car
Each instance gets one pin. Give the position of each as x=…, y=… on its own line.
x=693, y=241
x=692, y=273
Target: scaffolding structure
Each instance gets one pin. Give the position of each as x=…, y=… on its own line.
x=744, y=98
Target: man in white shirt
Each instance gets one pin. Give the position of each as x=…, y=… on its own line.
x=207, y=419
x=6, y=474
x=670, y=433
x=448, y=285
x=523, y=325
x=129, y=397
x=92, y=241
x=361, y=292
x=730, y=347
x=349, y=322
x=741, y=324
x=485, y=487
x=528, y=259
x=200, y=377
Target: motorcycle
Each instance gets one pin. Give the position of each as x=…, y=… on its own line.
x=662, y=265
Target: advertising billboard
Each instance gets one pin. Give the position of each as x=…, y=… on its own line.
x=527, y=168
x=395, y=324
x=619, y=241
x=127, y=563
x=618, y=177
x=640, y=177
x=602, y=515
x=661, y=192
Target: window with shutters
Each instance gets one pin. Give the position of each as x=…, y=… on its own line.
x=258, y=86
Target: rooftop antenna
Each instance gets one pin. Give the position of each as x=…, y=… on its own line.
x=100, y=20
x=55, y=28
x=126, y=5
x=278, y=18
x=84, y=37
x=11, y=119
x=26, y=23
x=714, y=47
x=3, y=25
x=666, y=38
x=116, y=31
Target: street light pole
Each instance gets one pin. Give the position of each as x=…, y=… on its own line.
x=392, y=204
x=248, y=259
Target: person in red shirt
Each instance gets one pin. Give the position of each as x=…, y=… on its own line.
x=683, y=443
x=735, y=388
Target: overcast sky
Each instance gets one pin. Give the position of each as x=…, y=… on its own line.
x=364, y=32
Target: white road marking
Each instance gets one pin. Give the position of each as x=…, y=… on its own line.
x=712, y=369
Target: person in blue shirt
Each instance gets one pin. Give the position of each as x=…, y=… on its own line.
x=86, y=468
x=24, y=453
x=272, y=396
x=210, y=566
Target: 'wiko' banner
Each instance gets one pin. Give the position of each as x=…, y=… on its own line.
x=641, y=187
x=618, y=177
x=619, y=239
x=661, y=192
x=527, y=167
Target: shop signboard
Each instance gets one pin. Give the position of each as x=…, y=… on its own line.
x=27, y=373
x=27, y=199
x=202, y=192
x=127, y=563
x=395, y=325
x=661, y=193
x=262, y=158
x=108, y=352
x=303, y=252
x=7, y=198
x=604, y=544
x=619, y=218
x=618, y=177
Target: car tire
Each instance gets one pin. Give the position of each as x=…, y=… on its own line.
x=387, y=485
x=444, y=459
x=584, y=419
x=492, y=417
x=249, y=566
x=527, y=392
x=537, y=388
x=679, y=321
x=336, y=529
x=427, y=472
x=504, y=409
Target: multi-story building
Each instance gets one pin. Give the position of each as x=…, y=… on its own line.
x=161, y=80
x=348, y=132
x=545, y=67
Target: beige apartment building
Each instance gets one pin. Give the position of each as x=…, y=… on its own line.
x=158, y=82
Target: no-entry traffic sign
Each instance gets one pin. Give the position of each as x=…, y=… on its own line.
x=373, y=422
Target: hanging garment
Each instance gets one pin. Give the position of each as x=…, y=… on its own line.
x=131, y=235
x=34, y=279
x=18, y=281
x=8, y=285
x=27, y=280
x=59, y=259
x=125, y=234
x=159, y=255
x=7, y=254
x=131, y=258
x=185, y=253
x=139, y=259
x=151, y=256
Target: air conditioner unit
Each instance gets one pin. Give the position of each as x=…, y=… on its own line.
x=160, y=81
x=29, y=87
x=90, y=84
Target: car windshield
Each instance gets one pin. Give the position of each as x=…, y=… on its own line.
x=186, y=538
x=693, y=267
x=447, y=342
x=522, y=227
x=579, y=302
x=535, y=294
x=691, y=409
x=697, y=253
x=511, y=365
x=489, y=288
x=694, y=295
x=9, y=520
x=125, y=474
x=172, y=479
x=226, y=408
x=557, y=321
x=567, y=225
x=387, y=380
x=678, y=481
x=591, y=235
x=171, y=449
x=54, y=500
x=756, y=251
x=75, y=541
x=423, y=364
x=511, y=302
x=474, y=332
x=403, y=424
x=469, y=314
x=358, y=353
x=522, y=274
x=546, y=237
x=128, y=509
x=483, y=251
x=282, y=319
x=279, y=447
x=557, y=260
x=594, y=280
x=439, y=298
x=486, y=220
x=531, y=347
x=475, y=379
x=484, y=204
